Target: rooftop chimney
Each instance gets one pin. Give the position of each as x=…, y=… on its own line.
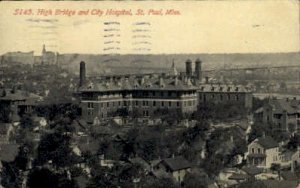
x=188, y=67
x=198, y=72
x=82, y=74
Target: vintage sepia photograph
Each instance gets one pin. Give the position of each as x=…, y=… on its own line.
x=150, y=94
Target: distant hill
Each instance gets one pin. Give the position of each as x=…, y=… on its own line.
x=131, y=63
x=159, y=62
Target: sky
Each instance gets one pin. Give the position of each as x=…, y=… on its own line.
x=249, y=26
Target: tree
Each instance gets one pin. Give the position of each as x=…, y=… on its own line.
x=162, y=182
x=198, y=180
x=276, y=168
x=38, y=178
x=101, y=178
x=45, y=178
x=55, y=147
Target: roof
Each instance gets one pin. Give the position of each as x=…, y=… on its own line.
x=8, y=152
x=221, y=88
x=267, y=142
x=140, y=161
x=18, y=95
x=280, y=184
x=139, y=84
x=238, y=176
x=176, y=163
x=252, y=170
x=291, y=106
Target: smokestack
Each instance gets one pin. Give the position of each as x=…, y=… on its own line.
x=82, y=74
x=198, y=72
x=188, y=67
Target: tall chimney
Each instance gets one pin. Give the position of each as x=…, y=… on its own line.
x=188, y=67
x=82, y=74
x=198, y=72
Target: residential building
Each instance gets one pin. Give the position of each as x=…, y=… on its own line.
x=177, y=166
x=263, y=151
x=284, y=114
x=14, y=102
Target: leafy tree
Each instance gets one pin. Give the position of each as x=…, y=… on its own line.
x=43, y=177
x=10, y=177
x=101, y=178
x=162, y=182
x=276, y=168
x=198, y=180
x=55, y=147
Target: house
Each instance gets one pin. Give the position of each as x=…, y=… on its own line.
x=284, y=114
x=178, y=167
x=263, y=151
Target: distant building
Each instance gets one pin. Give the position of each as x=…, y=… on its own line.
x=284, y=114
x=48, y=57
x=18, y=57
x=14, y=102
x=177, y=167
x=148, y=94
x=263, y=151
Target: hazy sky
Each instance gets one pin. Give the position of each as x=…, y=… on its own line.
x=201, y=27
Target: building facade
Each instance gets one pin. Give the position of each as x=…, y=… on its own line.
x=284, y=114
x=262, y=152
x=149, y=95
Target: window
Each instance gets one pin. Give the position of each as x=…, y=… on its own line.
x=237, y=97
x=170, y=93
x=161, y=93
x=252, y=149
x=154, y=103
x=258, y=150
x=178, y=104
x=162, y=104
x=90, y=105
x=107, y=104
x=170, y=103
x=221, y=97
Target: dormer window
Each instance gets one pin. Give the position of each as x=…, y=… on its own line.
x=212, y=88
x=221, y=88
x=237, y=89
x=229, y=88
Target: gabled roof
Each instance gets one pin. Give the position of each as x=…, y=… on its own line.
x=291, y=106
x=176, y=163
x=267, y=142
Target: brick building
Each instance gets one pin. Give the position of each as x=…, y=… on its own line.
x=145, y=95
